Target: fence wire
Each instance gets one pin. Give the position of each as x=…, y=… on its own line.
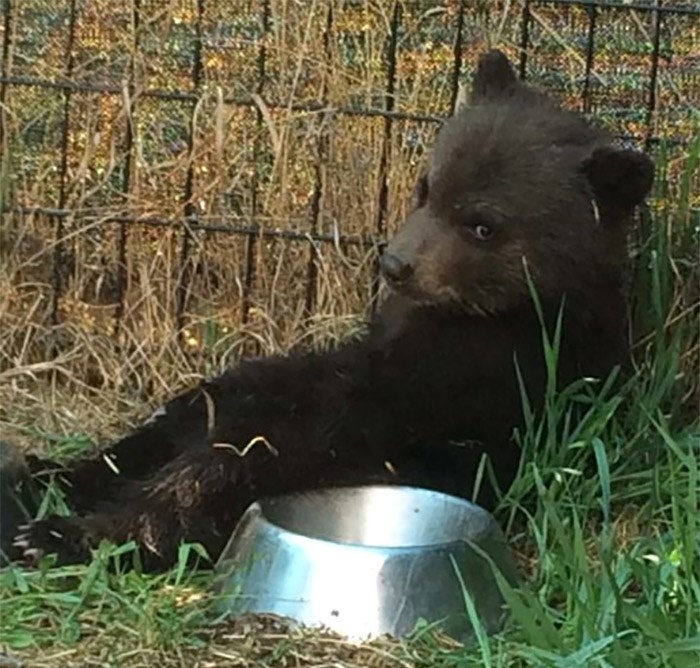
x=293, y=123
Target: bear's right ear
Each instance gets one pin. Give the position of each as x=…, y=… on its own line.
x=494, y=78
x=620, y=178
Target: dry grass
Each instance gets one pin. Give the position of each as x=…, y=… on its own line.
x=258, y=641
x=240, y=167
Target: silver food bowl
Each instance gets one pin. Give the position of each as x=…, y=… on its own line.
x=367, y=561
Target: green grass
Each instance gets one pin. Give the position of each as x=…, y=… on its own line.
x=605, y=509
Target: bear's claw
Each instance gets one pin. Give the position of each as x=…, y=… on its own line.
x=22, y=547
x=62, y=536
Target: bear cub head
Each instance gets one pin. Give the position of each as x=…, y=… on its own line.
x=514, y=180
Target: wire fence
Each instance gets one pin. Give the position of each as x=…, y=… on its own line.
x=258, y=152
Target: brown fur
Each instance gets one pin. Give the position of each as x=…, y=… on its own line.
x=512, y=180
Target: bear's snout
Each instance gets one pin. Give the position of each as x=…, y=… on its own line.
x=394, y=269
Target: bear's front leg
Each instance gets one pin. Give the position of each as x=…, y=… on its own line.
x=95, y=477
x=252, y=396
x=198, y=497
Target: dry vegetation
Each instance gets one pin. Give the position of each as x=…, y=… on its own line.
x=257, y=641
x=189, y=304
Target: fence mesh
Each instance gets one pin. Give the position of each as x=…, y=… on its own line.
x=205, y=174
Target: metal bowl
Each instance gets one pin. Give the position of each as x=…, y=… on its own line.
x=367, y=561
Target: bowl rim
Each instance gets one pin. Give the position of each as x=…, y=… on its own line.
x=257, y=507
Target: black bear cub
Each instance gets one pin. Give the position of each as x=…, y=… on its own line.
x=513, y=183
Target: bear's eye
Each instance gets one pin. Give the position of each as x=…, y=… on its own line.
x=420, y=193
x=481, y=221
x=482, y=231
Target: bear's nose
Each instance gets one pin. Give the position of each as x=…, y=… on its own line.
x=394, y=269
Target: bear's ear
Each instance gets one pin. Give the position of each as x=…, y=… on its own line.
x=494, y=78
x=620, y=178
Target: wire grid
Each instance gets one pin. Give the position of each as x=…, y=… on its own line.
x=181, y=119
